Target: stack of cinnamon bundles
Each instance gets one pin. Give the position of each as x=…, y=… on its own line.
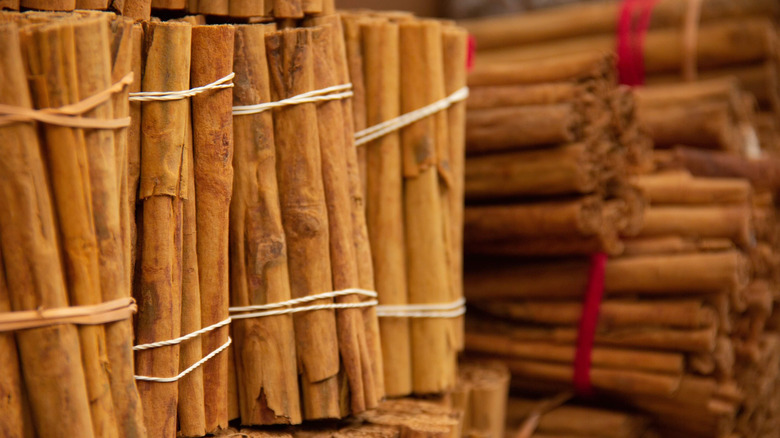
x=683, y=41
x=412, y=186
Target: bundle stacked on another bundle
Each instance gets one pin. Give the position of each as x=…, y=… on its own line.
x=409, y=79
x=551, y=145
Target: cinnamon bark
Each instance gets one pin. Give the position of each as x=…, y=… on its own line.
x=50, y=356
x=304, y=217
x=682, y=188
x=79, y=163
x=212, y=54
x=731, y=222
x=259, y=269
x=162, y=187
x=190, y=407
x=580, y=217
x=518, y=127
x=433, y=351
x=17, y=422
x=350, y=325
x=580, y=67
x=384, y=200
x=656, y=274
x=562, y=170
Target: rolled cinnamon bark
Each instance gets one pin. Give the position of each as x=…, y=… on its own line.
x=212, y=54
x=657, y=274
x=687, y=313
x=350, y=325
x=682, y=188
x=190, y=409
x=495, y=96
x=288, y=8
x=247, y=8
x=351, y=24
x=259, y=269
x=602, y=357
x=518, y=127
x=50, y=356
x=487, y=386
x=580, y=67
x=603, y=379
x=304, y=217
x=357, y=191
x=175, y=4
x=703, y=124
x=163, y=184
x=17, y=422
x=607, y=240
x=732, y=222
x=135, y=9
x=429, y=281
x=562, y=170
x=384, y=200
x=82, y=168
x=580, y=217
x=455, y=45
x=46, y=5
x=701, y=340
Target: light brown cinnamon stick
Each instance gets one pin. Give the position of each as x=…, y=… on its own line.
x=50, y=356
x=259, y=269
x=433, y=354
x=212, y=54
x=384, y=200
x=162, y=185
x=304, y=217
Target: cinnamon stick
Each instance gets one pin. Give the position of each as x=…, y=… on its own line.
x=350, y=325
x=682, y=188
x=580, y=217
x=562, y=170
x=304, y=217
x=518, y=127
x=259, y=269
x=17, y=422
x=384, y=200
x=212, y=54
x=78, y=163
x=50, y=356
x=162, y=187
x=433, y=354
x=190, y=408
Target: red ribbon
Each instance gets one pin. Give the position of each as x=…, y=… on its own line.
x=472, y=49
x=588, y=322
x=632, y=26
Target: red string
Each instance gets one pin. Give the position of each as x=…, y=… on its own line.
x=472, y=49
x=633, y=23
x=588, y=322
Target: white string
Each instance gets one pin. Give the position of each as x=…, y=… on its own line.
x=276, y=308
x=182, y=338
x=188, y=370
x=306, y=299
x=402, y=121
x=149, y=96
x=446, y=310
x=335, y=92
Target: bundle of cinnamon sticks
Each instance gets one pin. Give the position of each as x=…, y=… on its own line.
x=551, y=145
x=411, y=183
x=69, y=370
